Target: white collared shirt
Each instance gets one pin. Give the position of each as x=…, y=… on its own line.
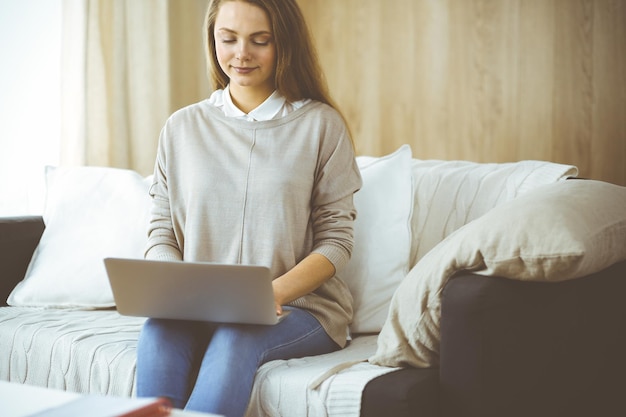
x=274, y=107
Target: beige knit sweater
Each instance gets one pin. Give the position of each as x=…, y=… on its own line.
x=265, y=193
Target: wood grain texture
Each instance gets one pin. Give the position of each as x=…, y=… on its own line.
x=480, y=80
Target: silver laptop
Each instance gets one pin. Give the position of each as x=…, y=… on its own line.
x=192, y=291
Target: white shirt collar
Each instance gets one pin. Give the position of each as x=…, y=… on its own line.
x=275, y=106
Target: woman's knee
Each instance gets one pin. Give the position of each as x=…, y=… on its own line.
x=157, y=327
x=164, y=328
x=171, y=338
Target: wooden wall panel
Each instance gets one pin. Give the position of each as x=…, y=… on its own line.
x=609, y=89
x=481, y=80
x=573, y=94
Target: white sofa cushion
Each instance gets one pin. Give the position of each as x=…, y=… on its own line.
x=90, y=213
x=91, y=352
x=382, y=237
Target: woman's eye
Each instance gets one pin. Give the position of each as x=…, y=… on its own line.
x=228, y=41
x=262, y=41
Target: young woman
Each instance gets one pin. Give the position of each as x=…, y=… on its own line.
x=262, y=172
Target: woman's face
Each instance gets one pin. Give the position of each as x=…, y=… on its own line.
x=245, y=47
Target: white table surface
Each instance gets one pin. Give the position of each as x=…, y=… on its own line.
x=18, y=400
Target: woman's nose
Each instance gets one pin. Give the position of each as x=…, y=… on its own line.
x=243, y=51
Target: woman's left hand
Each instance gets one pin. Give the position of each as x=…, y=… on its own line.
x=279, y=310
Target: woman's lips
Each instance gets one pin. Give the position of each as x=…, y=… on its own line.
x=243, y=70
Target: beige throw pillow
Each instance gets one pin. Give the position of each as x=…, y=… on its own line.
x=556, y=232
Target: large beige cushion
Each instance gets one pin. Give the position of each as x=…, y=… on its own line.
x=557, y=232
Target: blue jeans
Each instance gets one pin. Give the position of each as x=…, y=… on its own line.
x=211, y=367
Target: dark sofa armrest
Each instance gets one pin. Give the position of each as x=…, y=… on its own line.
x=19, y=237
x=511, y=348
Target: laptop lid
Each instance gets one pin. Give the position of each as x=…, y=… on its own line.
x=192, y=291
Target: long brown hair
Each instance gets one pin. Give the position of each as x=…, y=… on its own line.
x=298, y=73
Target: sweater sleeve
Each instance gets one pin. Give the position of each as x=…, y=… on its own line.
x=162, y=243
x=333, y=211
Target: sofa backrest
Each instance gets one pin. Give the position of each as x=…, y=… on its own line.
x=450, y=194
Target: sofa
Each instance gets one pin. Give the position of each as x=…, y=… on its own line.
x=480, y=289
